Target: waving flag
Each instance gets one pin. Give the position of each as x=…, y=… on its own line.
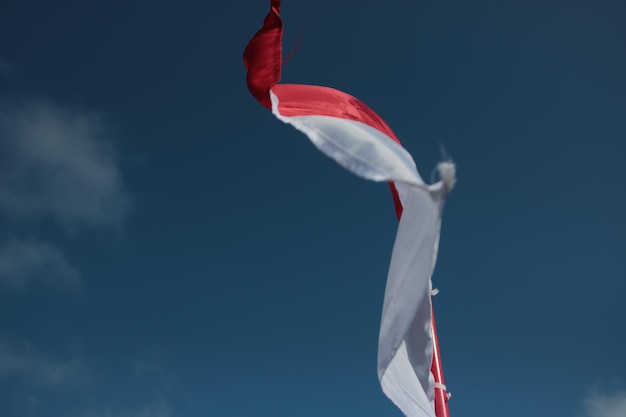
x=352, y=134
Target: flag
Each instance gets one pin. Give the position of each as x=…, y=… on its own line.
x=351, y=133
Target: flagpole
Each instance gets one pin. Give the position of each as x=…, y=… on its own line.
x=441, y=394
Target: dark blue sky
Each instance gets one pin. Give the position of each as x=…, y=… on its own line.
x=168, y=248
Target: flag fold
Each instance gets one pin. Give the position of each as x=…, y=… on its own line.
x=352, y=134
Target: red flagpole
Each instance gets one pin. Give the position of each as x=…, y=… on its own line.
x=441, y=395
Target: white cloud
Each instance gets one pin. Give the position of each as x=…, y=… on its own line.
x=38, y=382
x=25, y=261
x=606, y=404
x=19, y=359
x=56, y=163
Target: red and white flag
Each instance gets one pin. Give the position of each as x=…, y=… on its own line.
x=351, y=133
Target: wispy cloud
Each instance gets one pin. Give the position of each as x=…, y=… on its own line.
x=23, y=262
x=41, y=383
x=18, y=359
x=606, y=404
x=57, y=163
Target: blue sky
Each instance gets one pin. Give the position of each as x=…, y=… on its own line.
x=168, y=248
